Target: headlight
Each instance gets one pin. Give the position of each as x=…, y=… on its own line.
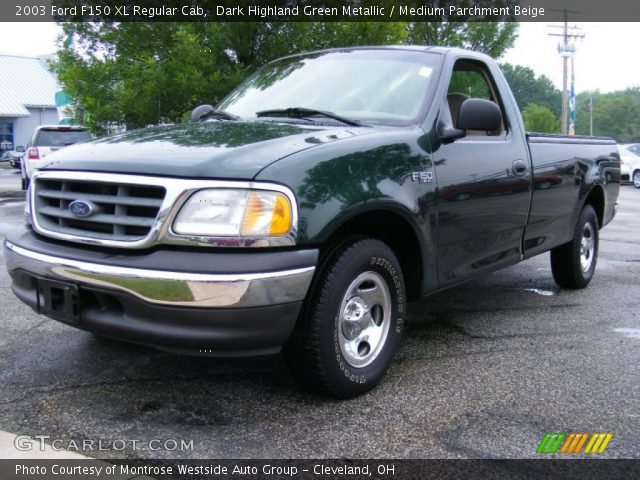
x=235, y=213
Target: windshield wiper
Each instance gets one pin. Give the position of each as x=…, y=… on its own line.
x=302, y=112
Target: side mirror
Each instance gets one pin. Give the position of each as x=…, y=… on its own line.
x=20, y=149
x=448, y=134
x=200, y=112
x=479, y=114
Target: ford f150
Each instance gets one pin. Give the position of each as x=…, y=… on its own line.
x=307, y=208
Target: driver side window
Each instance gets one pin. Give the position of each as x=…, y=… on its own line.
x=470, y=79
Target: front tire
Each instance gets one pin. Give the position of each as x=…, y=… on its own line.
x=352, y=324
x=574, y=263
x=636, y=179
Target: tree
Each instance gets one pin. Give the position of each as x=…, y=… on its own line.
x=528, y=89
x=538, y=118
x=143, y=73
x=615, y=114
x=492, y=38
x=140, y=73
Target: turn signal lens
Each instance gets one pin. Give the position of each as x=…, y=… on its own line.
x=266, y=214
x=281, y=217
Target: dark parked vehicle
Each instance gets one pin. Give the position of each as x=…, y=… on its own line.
x=303, y=212
x=16, y=161
x=14, y=157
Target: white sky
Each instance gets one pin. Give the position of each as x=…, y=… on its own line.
x=604, y=60
x=28, y=38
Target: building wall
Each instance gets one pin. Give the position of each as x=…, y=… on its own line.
x=23, y=127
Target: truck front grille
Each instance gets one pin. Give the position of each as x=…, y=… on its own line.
x=122, y=212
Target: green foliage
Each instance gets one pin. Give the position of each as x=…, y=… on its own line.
x=527, y=88
x=492, y=38
x=470, y=83
x=145, y=73
x=539, y=118
x=615, y=114
x=139, y=73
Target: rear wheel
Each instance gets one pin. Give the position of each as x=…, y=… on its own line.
x=353, y=321
x=25, y=183
x=574, y=263
x=636, y=179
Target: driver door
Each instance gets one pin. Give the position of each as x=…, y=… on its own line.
x=483, y=186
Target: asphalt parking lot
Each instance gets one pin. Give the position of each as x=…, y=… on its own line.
x=485, y=370
x=9, y=178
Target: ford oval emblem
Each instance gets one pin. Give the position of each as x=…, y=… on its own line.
x=81, y=208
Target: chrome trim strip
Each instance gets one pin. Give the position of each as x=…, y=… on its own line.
x=178, y=192
x=197, y=289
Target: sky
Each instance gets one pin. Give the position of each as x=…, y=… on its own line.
x=604, y=58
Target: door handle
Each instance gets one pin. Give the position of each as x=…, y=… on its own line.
x=519, y=168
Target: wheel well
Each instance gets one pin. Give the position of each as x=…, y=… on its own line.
x=596, y=200
x=395, y=231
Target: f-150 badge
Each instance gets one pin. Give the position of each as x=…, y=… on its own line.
x=422, y=177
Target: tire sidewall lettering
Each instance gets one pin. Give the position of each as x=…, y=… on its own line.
x=394, y=282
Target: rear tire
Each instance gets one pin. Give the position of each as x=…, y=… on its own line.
x=351, y=326
x=573, y=264
x=25, y=183
x=636, y=179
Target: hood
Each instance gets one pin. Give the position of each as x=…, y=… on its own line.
x=215, y=149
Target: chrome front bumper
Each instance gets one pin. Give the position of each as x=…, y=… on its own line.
x=168, y=288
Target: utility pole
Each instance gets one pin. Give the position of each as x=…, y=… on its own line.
x=566, y=49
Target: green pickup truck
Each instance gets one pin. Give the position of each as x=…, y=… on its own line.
x=305, y=210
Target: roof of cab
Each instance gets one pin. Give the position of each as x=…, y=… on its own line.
x=439, y=50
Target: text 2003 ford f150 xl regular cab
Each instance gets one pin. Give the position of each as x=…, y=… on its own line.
x=323, y=193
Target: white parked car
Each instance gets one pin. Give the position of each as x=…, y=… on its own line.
x=630, y=162
x=45, y=140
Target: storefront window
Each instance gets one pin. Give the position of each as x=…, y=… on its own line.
x=6, y=136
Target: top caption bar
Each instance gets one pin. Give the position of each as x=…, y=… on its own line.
x=314, y=10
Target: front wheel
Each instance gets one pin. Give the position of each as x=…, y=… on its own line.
x=353, y=321
x=636, y=179
x=574, y=263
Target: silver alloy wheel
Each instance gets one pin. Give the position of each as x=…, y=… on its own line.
x=364, y=319
x=636, y=179
x=587, y=247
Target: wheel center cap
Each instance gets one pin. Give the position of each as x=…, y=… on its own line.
x=353, y=312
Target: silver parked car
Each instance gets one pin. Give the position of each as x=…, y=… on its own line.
x=45, y=140
x=630, y=162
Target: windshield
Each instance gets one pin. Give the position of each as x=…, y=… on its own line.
x=61, y=138
x=375, y=86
